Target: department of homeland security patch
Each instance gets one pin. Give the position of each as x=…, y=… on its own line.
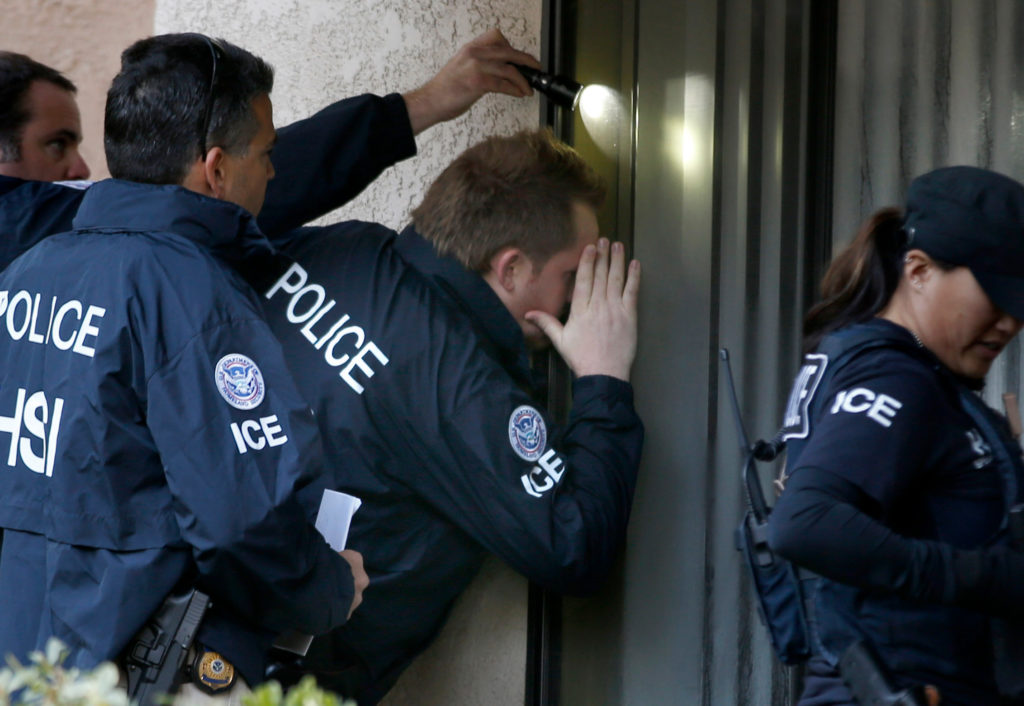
x=527, y=433
x=239, y=380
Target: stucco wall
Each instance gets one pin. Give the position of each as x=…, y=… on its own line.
x=84, y=40
x=323, y=50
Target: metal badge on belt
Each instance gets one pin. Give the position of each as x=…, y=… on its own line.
x=212, y=673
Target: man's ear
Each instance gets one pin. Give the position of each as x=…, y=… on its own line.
x=208, y=176
x=506, y=264
x=215, y=172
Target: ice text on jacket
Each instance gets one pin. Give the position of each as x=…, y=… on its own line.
x=343, y=343
x=67, y=325
x=880, y=407
x=544, y=475
x=33, y=413
x=257, y=434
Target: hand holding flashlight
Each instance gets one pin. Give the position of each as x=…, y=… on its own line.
x=561, y=90
x=484, y=65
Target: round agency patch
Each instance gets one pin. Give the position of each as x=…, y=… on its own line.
x=527, y=433
x=239, y=381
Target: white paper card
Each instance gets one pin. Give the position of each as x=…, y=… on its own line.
x=332, y=521
x=335, y=517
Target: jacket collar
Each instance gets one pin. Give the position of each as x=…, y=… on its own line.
x=888, y=330
x=229, y=231
x=471, y=293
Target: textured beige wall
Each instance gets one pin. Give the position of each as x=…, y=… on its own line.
x=323, y=50
x=480, y=657
x=83, y=39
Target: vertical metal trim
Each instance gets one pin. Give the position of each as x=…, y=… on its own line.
x=543, y=647
x=544, y=608
x=751, y=264
x=908, y=89
x=634, y=122
x=794, y=111
x=986, y=82
x=821, y=120
x=943, y=76
x=866, y=191
x=714, y=341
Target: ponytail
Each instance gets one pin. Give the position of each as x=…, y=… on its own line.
x=861, y=279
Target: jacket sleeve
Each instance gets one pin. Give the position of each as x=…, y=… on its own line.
x=327, y=159
x=242, y=460
x=552, y=502
x=31, y=211
x=854, y=477
x=818, y=524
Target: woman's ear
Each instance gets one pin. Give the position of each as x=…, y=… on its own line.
x=918, y=268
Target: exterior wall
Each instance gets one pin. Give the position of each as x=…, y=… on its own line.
x=83, y=39
x=323, y=50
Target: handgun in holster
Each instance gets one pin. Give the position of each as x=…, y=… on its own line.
x=870, y=684
x=155, y=658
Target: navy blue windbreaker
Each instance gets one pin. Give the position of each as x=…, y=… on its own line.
x=890, y=477
x=153, y=433
x=420, y=380
x=321, y=162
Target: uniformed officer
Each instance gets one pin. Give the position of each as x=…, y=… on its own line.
x=900, y=478
x=414, y=350
x=135, y=367
x=324, y=160
x=321, y=162
x=40, y=127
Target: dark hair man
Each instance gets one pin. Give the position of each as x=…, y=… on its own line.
x=156, y=437
x=414, y=352
x=321, y=162
x=40, y=127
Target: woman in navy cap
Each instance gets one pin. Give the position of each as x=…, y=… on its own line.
x=899, y=480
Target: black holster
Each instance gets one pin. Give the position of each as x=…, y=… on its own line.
x=155, y=659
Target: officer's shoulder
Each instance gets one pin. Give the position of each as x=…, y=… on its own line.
x=342, y=238
x=892, y=368
x=171, y=270
x=168, y=255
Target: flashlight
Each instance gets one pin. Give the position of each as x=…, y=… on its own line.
x=561, y=90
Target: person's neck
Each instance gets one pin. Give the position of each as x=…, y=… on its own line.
x=900, y=313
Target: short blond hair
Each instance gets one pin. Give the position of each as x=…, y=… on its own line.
x=514, y=191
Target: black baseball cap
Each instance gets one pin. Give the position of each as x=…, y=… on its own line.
x=975, y=218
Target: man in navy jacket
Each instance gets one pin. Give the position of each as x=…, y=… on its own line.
x=414, y=351
x=321, y=162
x=136, y=366
x=456, y=311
